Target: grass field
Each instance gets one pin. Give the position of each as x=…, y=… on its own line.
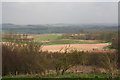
x=50, y=37
x=56, y=39
x=69, y=42
x=66, y=75
x=76, y=75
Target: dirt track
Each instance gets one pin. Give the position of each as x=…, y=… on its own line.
x=80, y=47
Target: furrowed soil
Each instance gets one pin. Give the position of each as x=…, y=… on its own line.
x=80, y=47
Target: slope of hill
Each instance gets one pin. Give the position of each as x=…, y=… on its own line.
x=55, y=28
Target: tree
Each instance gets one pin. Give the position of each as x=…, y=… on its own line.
x=109, y=62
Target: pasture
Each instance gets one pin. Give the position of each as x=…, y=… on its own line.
x=69, y=41
x=52, y=39
x=46, y=37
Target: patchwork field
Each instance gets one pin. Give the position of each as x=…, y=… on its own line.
x=54, y=42
x=52, y=39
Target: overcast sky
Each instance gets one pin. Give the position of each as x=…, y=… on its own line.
x=60, y=12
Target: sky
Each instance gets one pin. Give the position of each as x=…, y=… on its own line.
x=60, y=0
x=60, y=12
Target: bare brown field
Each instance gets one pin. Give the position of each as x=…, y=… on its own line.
x=89, y=40
x=79, y=47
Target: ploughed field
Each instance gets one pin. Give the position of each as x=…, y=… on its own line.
x=80, y=47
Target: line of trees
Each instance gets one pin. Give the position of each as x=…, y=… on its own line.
x=29, y=59
x=100, y=35
x=14, y=37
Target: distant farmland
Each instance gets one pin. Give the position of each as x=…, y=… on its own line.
x=46, y=37
x=55, y=42
x=52, y=39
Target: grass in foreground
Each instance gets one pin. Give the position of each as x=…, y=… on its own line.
x=66, y=75
x=78, y=75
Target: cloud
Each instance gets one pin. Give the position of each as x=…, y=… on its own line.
x=55, y=12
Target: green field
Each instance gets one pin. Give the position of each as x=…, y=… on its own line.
x=76, y=75
x=47, y=37
x=56, y=39
x=66, y=75
x=69, y=42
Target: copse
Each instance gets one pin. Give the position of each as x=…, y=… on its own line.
x=29, y=59
x=22, y=56
x=109, y=62
x=11, y=36
x=63, y=62
x=92, y=35
x=19, y=58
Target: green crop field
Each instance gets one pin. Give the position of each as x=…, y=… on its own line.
x=46, y=37
x=69, y=42
x=56, y=39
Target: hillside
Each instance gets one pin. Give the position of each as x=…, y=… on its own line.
x=56, y=28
